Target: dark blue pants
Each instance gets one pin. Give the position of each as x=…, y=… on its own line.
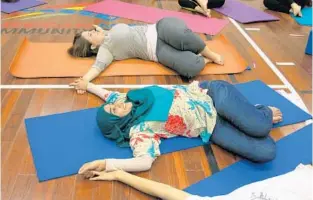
x=241, y=128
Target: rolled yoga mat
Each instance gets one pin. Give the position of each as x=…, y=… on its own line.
x=37, y=60
x=20, y=5
x=306, y=19
x=292, y=150
x=196, y=23
x=244, y=13
x=61, y=143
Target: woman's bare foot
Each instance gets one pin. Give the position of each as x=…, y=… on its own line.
x=208, y=13
x=277, y=115
x=203, y=4
x=216, y=58
x=206, y=61
x=204, y=12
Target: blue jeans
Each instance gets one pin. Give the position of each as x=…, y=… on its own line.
x=241, y=128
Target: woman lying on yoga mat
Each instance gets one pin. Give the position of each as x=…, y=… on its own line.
x=294, y=185
x=287, y=6
x=215, y=111
x=201, y=6
x=169, y=42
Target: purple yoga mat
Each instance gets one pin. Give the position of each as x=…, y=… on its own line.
x=20, y=5
x=244, y=13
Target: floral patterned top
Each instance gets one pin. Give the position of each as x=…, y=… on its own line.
x=192, y=115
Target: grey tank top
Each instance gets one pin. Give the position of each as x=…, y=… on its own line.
x=122, y=42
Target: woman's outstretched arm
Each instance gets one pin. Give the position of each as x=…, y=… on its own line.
x=83, y=85
x=141, y=144
x=150, y=187
x=92, y=74
x=104, y=59
x=97, y=90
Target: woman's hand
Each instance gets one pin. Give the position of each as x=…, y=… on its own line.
x=80, y=85
x=104, y=176
x=88, y=168
x=98, y=28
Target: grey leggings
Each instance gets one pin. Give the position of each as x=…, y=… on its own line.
x=178, y=47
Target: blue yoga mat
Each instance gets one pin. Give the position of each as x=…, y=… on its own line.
x=291, y=151
x=258, y=92
x=308, y=48
x=61, y=143
x=306, y=19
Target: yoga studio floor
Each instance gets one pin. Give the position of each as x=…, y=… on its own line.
x=262, y=45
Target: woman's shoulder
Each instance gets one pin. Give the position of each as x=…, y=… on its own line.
x=119, y=28
x=118, y=32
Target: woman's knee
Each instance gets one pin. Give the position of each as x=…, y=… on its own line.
x=264, y=129
x=264, y=123
x=191, y=69
x=204, y=84
x=213, y=85
x=215, y=4
x=218, y=83
x=218, y=91
x=178, y=26
x=172, y=22
x=265, y=152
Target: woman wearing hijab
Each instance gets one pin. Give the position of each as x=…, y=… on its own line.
x=214, y=111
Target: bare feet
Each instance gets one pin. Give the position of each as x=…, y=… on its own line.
x=204, y=12
x=203, y=4
x=206, y=61
x=208, y=13
x=277, y=115
x=218, y=59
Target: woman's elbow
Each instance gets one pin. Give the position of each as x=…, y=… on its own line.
x=148, y=164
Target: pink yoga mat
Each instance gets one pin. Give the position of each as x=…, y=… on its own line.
x=196, y=23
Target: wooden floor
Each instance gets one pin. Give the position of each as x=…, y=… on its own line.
x=179, y=169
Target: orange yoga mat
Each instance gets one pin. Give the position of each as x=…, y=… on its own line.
x=38, y=60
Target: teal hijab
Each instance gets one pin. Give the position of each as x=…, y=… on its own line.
x=149, y=104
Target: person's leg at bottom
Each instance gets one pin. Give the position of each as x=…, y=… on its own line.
x=235, y=141
x=256, y=121
x=175, y=33
x=185, y=63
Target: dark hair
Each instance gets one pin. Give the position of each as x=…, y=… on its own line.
x=9, y=1
x=81, y=47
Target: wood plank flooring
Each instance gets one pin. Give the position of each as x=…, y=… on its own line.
x=179, y=169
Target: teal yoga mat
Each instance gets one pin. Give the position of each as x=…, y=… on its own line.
x=306, y=19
